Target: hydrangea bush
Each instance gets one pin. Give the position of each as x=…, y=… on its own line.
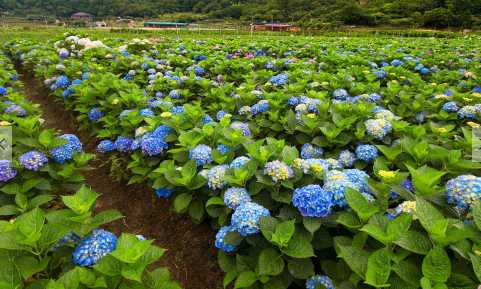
x=342, y=163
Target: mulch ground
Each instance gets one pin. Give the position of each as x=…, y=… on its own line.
x=191, y=256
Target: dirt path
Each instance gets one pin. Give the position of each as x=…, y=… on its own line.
x=191, y=256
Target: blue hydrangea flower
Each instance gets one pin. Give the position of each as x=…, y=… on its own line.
x=199, y=70
x=3, y=90
x=94, y=247
x=177, y=109
x=340, y=94
x=76, y=82
x=135, y=144
x=346, y=159
x=293, y=101
x=234, y=197
x=63, y=53
x=33, y=160
x=220, y=242
x=153, y=146
x=220, y=114
x=162, y=131
x=280, y=79
x=123, y=144
x=7, y=171
x=312, y=201
x=146, y=112
x=468, y=112
x=223, y=149
x=477, y=89
x=175, y=94
x=215, y=177
x=65, y=152
x=62, y=81
x=366, y=153
x=66, y=93
x=164, y=192
x=378, y=128
x=336, y=183
x=70, y=239
x=380, y=74
x=312, y=282
x=450, y=106
x=207, y=119
x=278, y=171
x=202, y=154
x=463, y=191
x=310, y=151
x=244, y=127
x=246, y=217
x=260, y=107
x=15, y=110
x=396, y=62
x=125, y=113
x=239, y=162
x=95, y=114
x=105, y=146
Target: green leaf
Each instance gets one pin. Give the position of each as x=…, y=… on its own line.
x=284, y=232
x=427, y=214
x=360, y=204
x=425, y=179
x=108, y=266
x=349, y=220
x=267, y=226
x=130, y=248
x=160, y=279
x=245, y=279
x=299, y=246
x=28, y=265
x=300, y=268
x=399, y=226
x=355, y=257
x=436, y=265
x=408, y=271
x=415, y=241
x=181, y=202
x=312, y=224
x=476, y=261
x=30, y=225
x=476, y=212
x=82, y=201
x=378, y=268
x=270, y=262
x=105, y=217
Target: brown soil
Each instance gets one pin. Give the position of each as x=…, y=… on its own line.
x=191, y=256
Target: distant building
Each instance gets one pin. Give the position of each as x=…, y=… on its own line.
x=82, y=16
x=155, y=24
x=274, y=27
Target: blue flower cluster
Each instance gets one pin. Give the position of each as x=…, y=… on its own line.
x=450, y=106
x=239, y=162
x=202, y=154
x=123, y=144
x=340, y=94
x=246, y=217
x=313, y=201
x=94, y=247
x=310, y=151
x=65, y=152
x=70, y=239
x=366, y=153
x=164, y=192
x=336, y=183
x=223, y=149
x=325, y=281
x=244, y=127
x=378, y=128
x=346, y=159
x=152, y=146
x=3, y=91
x=95, y=114
x=260, y=107
x=15, y=109
x=463, y=191
x=234, y=197
x=280, y=79
x=62, y=81
x=278, y=171
x=7, y=171
x=105, y=146
x=215, y=177
x=33, y=160
x=220, y=242
x=175, y=94
x=468, y=112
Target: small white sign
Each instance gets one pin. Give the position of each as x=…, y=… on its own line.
x=6, y=143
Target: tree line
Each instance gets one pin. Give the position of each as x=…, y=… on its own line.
x=308, y=13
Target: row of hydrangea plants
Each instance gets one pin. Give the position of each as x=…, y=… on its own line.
x=49, y=237
x=324, y=163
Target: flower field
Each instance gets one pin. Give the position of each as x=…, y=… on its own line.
x=319, y=162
